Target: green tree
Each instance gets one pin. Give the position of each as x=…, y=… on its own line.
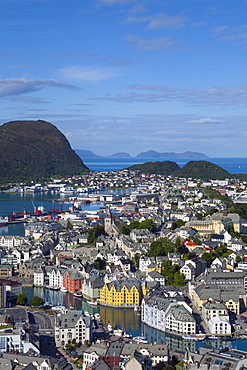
x=180, y=223
x=149, y=225
x=124, y=229
x=177, y=242
x=94, y=232
x=199, y=215
x=136, y=259
x=22, y=299
x=36, y=301
x=99, y=264
x=168, y=270
x=161, y=247
x=179, y=279
x=238, y=259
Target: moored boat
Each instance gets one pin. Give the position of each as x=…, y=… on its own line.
x=4, y=220
x=140, y=340
x=64, y=290
x=92, y=303
x=77, y=295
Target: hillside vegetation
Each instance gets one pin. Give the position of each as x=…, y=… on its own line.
x=195, y=169
x=166, y=168
x=202, y=170
x=34, y=150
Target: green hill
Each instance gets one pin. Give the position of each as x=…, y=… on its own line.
x=195, y=169
x=202, y=170
x=35, y=149
x=163, y=168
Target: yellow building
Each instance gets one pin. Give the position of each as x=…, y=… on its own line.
x=218, y=222
x=230, y=297
x=121, y=293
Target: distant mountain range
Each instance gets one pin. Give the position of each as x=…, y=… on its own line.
x=149, y=154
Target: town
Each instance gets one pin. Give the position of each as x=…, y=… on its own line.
x=173, y=250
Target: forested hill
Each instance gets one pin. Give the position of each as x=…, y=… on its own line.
x=35, y=149
x=202, y=170
x=166, y=168
x=195, y=169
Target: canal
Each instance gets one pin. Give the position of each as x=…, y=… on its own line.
x=129, y=320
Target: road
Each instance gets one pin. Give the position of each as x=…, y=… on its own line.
x=45, y=324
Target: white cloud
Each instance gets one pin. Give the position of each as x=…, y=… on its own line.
x=114, y=2
x=157, y=43
x=91, y=73
x=19, y=86
x=29, y=99
x=206, y=120
x=215, y=96
x=161, y=20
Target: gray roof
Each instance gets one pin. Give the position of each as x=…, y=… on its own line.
x=217, y=293
x=210, y=305
x=99, y=348
x=156, y=275
x=154, y=349
x=180, y=313
x=70, y=319
x=120, y=283
x=99, y=365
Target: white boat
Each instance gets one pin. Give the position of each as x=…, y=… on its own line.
x=188, y=338
x=118, y=332
x=64, y=290
x=109, y=327
x=121, y=333
x=77, y=295
x=4, y=220
x=92, y=303
x=140, y=340
x=213, y=337
x=195, y=337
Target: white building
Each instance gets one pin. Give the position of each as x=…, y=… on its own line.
x=10, y=241
x=17, y=340
x=56, y=278
x=39, y=277
x=219, y=325
x=172, y=315
x=188, y=270
x=144, y=262
x=72, y=325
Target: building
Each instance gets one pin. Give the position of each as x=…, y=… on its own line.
x=6, y=270
x=121, y=293
x=168, y=314
x=91, y=287
x=73, y=325
x=219, y=325
x=17, y=340
x=232, y=296
x=214, y=308
x=72, y=281
x=137, y=361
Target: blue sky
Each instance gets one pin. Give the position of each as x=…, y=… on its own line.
x=129, y=75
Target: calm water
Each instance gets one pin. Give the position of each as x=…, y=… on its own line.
x=19, y=202
x=129, y=320
x=232, y=165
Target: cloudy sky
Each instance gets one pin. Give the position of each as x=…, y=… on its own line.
x=129, y=75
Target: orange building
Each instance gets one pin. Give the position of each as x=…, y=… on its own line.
x=72, y=281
